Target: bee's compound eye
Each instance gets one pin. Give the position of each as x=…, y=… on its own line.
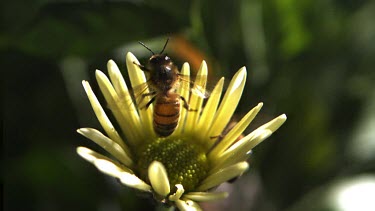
x=166, y=58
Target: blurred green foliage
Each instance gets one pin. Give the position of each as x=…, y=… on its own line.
x=313, y=60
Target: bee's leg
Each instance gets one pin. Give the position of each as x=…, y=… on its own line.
x=186, y=105
x=142, y=67
x=149, y=102
x=148, y=94
x=226, y=130
x=141, y=97
x=217, y=136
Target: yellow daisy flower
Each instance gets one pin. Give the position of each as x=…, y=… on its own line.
x=180, y=169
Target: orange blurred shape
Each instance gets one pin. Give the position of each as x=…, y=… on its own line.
x=184, y=50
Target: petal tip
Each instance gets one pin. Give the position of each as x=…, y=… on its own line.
x=186, y=64
x=81, y=149
x=203, y=68
x=111, y=64
x=242, y=70
x=281, y=119
x=283, y=116
x=130, y=57
x=86, y=154
x=99, y=73
x=204, y=63
x=129, y=54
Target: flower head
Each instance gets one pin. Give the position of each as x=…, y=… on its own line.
x=182, y=168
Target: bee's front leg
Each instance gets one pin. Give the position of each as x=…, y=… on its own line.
x=142, y=67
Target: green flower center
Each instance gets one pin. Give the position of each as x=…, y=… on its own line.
x=186, y=163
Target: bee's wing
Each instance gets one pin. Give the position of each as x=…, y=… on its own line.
x=189, y=85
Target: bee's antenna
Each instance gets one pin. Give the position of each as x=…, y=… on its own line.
x=146, y=47
x=165, y=45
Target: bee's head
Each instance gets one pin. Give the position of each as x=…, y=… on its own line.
x=159, y=59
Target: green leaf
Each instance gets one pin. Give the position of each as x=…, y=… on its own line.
x=83, y=29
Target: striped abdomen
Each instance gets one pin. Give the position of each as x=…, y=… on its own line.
x=166, y=114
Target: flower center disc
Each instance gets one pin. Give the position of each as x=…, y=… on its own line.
x=186, y=163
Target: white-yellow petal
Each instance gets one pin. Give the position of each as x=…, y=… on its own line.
x=125, y=102
x=93, y=157
x=117, y=107
x=184, y=91
x=258, y=135
x=123, y=93
x=137, y=78
x=88, y=154
x=243, y=146
x=196, y=98
x=159, y=178
x=223, y=175
x=233, y=158
x=108, y=167
x=234, y=133
x=209, y=111
x=228, y=105
x=274, y=124
x=100, y=114
x=108, y=144
x=239, y=150
x=134, y=182
x=113, y=168
x=205, y=196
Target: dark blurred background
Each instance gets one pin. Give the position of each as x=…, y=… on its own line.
x=313, y=60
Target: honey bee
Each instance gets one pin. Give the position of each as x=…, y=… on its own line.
x=163, y=80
